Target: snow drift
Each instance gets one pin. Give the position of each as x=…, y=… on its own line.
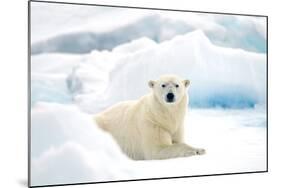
x=67, y=147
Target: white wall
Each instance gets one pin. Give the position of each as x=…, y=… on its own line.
x=13, y=100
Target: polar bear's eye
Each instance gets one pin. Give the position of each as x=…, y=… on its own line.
x=177, y=85
x=163, y=85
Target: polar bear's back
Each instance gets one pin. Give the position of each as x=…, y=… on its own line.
x=120, y=121
x=113, y=116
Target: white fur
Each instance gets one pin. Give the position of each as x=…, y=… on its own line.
x=151, y=128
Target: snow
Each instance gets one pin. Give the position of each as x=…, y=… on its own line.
x=68, y=148
x=83, y=62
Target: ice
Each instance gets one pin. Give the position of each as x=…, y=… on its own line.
x=51, y=88
x=220, y=77
x=81, y=29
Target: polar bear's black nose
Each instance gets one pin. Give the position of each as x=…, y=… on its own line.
x=170, y=97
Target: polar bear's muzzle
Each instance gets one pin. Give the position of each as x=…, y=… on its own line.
x=170, y=97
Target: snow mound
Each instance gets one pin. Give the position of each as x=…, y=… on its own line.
x=67, y=147
x=220, y=77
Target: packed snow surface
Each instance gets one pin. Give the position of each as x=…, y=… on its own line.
x=68, y=148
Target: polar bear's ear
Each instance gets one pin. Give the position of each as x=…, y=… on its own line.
x=186, y=83
x=151, y=83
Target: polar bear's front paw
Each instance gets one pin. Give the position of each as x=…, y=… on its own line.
x=199, y=151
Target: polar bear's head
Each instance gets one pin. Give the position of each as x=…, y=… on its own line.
x=169, y=89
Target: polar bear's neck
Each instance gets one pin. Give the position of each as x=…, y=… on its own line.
x=169, y=117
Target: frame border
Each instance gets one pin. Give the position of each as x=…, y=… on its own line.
x=130, y=7
x=29, y=94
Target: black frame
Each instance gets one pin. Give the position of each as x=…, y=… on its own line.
x=131, y=7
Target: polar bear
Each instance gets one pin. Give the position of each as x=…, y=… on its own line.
x=153, y=126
